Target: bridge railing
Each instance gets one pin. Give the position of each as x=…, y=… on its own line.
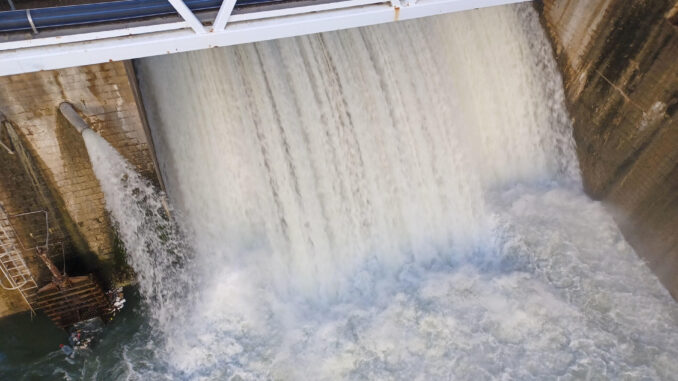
x=52, y=38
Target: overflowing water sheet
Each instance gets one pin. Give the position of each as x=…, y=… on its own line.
x=393, y=202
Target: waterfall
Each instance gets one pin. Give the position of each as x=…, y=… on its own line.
x=155, y=245
x=392, y=202
x=313, y=156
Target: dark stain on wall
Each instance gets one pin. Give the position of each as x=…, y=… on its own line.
x=621, y=85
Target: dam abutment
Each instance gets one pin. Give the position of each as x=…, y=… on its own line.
x=46, y=164
x=618, y=61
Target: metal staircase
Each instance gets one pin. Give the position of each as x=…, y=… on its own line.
x=12, y=265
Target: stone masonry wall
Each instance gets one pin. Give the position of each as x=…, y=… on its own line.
x=619, y=61
x=63, y=181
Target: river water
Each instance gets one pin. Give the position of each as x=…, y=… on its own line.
x=393, y=202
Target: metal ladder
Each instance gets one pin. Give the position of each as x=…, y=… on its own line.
x=12, y=264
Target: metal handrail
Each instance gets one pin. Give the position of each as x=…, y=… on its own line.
x=6, y=271
x=23, y=247
x=13, y=286
x=13, y=251
x=112, y=11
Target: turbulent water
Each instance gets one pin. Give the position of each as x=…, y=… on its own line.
x=393, y=202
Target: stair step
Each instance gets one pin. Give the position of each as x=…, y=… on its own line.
x=18, y=271
x=21, y=280
x=11, y=260
x=16, y=266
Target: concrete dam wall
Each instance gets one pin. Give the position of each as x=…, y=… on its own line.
x=45, y=165
x=619, y=61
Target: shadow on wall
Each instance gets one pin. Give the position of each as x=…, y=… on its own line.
x=88, y=204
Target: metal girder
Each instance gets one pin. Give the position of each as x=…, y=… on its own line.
x=129, y=31
x=222, y=17
x=188, y=16
x=153, y=40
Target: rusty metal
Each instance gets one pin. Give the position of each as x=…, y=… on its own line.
x=65, y=300
x=59, y=279
x=69, y=300
x=82, y=299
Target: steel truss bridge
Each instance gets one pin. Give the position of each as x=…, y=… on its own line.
x=58, y=37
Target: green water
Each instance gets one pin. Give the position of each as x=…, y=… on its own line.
x=25, y=340
x=29, y=348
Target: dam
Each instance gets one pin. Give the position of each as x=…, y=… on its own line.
x=341, y=205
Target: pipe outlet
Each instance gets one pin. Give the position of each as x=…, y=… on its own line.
x=72, y=116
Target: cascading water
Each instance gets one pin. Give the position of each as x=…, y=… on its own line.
x=393, y=202
x=155, y=246
x=398, y=201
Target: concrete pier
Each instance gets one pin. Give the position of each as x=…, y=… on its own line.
x=47, y=166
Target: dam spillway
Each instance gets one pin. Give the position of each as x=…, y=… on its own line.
x=337, y=147
x=395, y=202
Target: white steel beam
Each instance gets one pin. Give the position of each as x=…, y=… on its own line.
x=222, y=17
x=303, y=9
x=90, y=36
x=188, y=16
x=237, y=32
x=128, y=31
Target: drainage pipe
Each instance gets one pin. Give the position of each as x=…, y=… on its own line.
x=72, y=116
x=55, y=17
